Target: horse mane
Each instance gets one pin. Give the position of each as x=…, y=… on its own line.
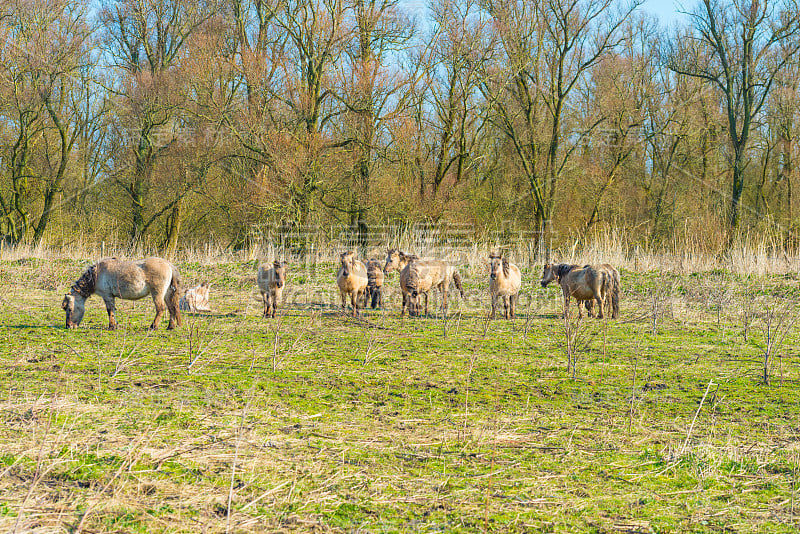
x=563, y=268
x=84, y=286
x=276, y=264
x=505, y=267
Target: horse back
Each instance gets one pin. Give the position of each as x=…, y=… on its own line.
x=133, y=280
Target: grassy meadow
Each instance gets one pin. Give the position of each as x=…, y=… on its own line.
x=319, y=422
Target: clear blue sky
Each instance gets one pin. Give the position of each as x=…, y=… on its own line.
x=668, y=10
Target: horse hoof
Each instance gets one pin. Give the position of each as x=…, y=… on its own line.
x=112, y=327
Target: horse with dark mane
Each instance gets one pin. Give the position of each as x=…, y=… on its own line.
x=110, y=278
x=585, y=284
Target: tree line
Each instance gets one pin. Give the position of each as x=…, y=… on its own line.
x=175, y=121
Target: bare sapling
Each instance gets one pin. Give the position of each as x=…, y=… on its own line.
x=197, y=347
x=127, y=358
x=777, y=322
x=577, y=340
x=283, y=346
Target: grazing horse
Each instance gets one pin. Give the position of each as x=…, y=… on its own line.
x=352, y=280
x=504, y=282
x=271, y=280
x=374, y=294
x=196, y=299
x=419, y=276
x=582, y=283
x=131, y=280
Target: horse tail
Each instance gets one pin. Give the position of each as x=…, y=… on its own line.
x=173, y=295
x=615, y=293
x=457, y=280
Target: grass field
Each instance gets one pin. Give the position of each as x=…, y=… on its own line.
x=320, y=422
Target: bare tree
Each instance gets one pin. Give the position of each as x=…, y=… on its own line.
x=40, y=83
x=145, y=39
x=740, y=48
x=548, y=47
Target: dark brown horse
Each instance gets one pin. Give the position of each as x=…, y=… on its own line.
x=375, y=277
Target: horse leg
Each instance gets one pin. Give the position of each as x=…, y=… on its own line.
x=344, y=299
x=376, y=298
x=512, y=304
x=599, y=301
x=111, y=308
x=505, y=306
x=405, y=305
x=266, y=300
x=494, y=305
x=158, y=301
x=354, y=302
x=171, y=300
x=426, y=304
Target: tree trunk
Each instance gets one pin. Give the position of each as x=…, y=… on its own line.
x=736, y=195
x=173, y=229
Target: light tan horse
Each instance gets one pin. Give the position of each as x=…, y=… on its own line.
x=196, y=299
x=396, y=260
x=131, y=280
x=352, y=280
x=505, y=281
x=419, y=276
x=375, y=277
x=271, y=280
x=582, y=283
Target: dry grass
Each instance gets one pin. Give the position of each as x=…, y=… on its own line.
x=322, y=422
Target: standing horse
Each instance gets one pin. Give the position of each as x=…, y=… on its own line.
x=397, y=260
x=611, y=288
x=419, y=276
x=352, y=280
x=130, y=280
x=375, y=277
x=271, y=280
x=582, y=283
x=504, y=282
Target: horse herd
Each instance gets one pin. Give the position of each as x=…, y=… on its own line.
x=362, y=284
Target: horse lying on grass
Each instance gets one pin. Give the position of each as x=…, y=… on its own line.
x=130, y=280
x=196, y=299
